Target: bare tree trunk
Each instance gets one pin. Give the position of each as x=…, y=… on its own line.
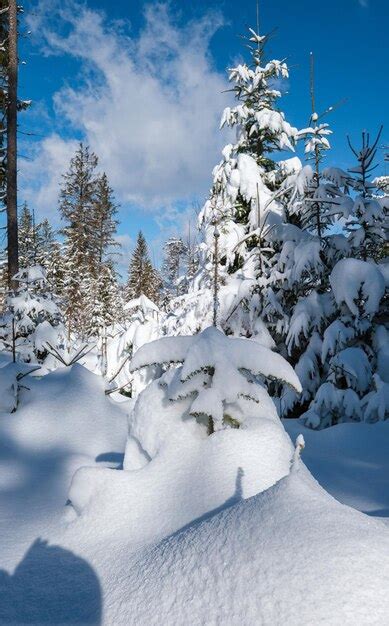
x=12, y=210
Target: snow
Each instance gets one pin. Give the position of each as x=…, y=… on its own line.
x=185, y=480
x=204, y=529
x=34, y=274
x=350, y=461
x=290, y=555
x=63, y=421
x=143, y=302
x=350, y=278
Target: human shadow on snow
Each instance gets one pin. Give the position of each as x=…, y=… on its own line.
x=50, y=585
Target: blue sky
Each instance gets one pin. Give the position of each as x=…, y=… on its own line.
x=143, y=84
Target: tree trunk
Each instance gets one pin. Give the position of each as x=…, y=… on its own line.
x=12, y=210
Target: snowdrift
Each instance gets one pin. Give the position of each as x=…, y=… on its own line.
x=291, y=555
x=67, y=410
x=64, y=421
x=185, y=480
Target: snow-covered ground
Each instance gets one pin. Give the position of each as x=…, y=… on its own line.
x=64, y=421
x=351, y=461
x=198, y=535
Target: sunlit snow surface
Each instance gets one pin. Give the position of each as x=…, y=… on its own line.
x=174, y=542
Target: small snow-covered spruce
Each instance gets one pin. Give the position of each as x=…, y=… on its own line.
x=143, y=278
x=222, y=374
x=368, y=224
x=297, y=305
x=141, y=324
x=32, y=317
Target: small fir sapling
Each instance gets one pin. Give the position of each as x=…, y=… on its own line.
x=218, y=374
x=368, y=224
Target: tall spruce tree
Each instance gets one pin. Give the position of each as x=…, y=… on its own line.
x=104, y=301
x=76, y=206
x=142, y=276
x=243, y=204
x=104, y=216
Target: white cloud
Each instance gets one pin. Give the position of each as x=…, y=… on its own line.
x=41, y=173
x=149, y=106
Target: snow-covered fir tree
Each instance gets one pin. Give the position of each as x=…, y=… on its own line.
x=32, y=318
x=244, y=204
x=104, y=301
x=27, y=235
x=369, y=222
x=354, y=350
x=335, y=347
x=172, y=270
x=295, y=302
x=89, y=282
x=242, y=199
x=216, y=382
x=143, y=278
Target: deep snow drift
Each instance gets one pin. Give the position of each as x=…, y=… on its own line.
x=63, y=421
x=291, y=555
x=211, y=530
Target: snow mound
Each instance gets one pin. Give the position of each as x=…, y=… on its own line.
x=186, y=479
x=67, y=410
x=64, y=421
x=291, y=555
